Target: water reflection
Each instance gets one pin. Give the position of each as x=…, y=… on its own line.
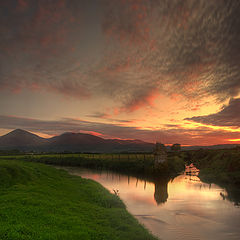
x=179, y=208
x=232, y=192
x=161, y=191
x=233, y=195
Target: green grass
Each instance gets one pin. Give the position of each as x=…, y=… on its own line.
x=134, y=164
x=41, y=202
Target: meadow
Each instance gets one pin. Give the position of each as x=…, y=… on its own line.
x=40, y=202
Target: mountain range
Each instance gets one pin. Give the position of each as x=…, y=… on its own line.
x=72, y=142
x=80, y=142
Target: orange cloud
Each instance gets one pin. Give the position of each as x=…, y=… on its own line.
x=145, y=99
x=92, y=133
x=234, y=140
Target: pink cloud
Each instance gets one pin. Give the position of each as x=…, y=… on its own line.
x=92, y=133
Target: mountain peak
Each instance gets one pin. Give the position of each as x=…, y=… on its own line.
x=19, y=137
x=18, y=130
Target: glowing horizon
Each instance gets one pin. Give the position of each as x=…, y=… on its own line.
x=127, y=69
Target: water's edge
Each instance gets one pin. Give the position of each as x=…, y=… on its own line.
x=183, y=208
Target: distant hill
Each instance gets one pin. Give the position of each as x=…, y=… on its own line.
x=76, y=142
x=72, y=142
x=81, y=142
x=20, y=139
x=219, y=146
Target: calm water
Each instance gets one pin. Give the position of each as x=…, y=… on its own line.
x=183, y=208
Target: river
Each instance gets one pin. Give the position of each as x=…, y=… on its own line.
x=183, y=208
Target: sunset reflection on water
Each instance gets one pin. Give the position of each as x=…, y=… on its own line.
x=183, y=208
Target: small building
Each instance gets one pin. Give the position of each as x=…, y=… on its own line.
x=160, y=153
x=176, y=147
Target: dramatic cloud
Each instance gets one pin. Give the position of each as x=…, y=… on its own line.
x=130, y=65
x=228, y=116
x=185, y=47
x=129, y=51
x=198, y=136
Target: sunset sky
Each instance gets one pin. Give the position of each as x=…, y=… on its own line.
x=155, y=70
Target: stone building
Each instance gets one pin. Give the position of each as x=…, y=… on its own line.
x=160, y=153
x=176, y=147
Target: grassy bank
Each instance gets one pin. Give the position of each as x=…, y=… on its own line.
x=40, y=202
x=135, y=164
x=220, y=166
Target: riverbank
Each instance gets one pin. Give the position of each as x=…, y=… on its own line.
x=40, y=202
x=134, y=164
x=172, y=209
x=219, y=166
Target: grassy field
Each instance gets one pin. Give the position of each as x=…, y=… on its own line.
x=41, y=202
x=135, y=164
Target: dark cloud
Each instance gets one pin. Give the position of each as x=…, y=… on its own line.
x=190, y=47
x=98, y=115
x=199, y=136
x=40, y=46
x=128, y=51
x=107, y=117
x=172, y=126
x=228, y=116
